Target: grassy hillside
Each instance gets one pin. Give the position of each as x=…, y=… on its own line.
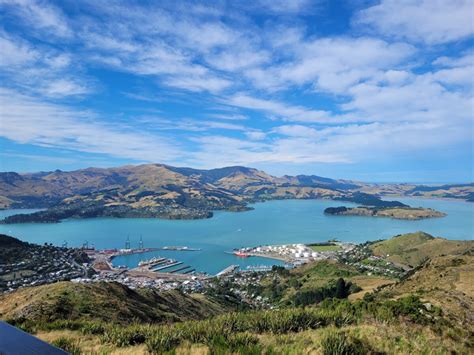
x=428, y=310
x=413, y=248
x=446, y=282
x=108, y=302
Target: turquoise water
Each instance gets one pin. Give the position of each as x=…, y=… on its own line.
x=274, y=222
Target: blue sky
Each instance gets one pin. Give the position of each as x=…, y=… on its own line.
x=368, y=90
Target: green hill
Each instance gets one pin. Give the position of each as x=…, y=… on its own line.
x=413, y=248
x=108, y=302
x=428, y=310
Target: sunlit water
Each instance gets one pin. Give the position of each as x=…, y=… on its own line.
x=274, y=222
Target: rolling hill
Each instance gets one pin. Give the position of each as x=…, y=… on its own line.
x=162, y=191
x=413, y=248
x=155, y=190
x=107, y=302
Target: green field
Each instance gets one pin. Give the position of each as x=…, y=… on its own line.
x=323, y=248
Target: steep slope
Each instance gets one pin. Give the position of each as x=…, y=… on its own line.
x=108, y=302
x=444, y=281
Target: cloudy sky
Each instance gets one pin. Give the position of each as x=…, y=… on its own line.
x=369, y=90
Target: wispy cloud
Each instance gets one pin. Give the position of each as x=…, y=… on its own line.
x=39, y=16
x=30, y=121
x=279, y=109
x=237, y=82
x=428, y=21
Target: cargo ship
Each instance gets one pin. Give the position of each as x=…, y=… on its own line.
x=241, y=254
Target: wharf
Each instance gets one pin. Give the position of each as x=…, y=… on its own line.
x=180, y=269
x=228, y=270
x=176, y=263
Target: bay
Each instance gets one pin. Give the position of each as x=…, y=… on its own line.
x=273, y=222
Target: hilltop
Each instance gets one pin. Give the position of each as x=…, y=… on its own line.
x=413, y=248
x=107, y=302
x=162, y=191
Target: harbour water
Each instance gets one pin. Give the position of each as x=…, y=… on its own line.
x=274, y=222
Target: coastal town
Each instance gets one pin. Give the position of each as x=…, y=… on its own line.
x=25, y=264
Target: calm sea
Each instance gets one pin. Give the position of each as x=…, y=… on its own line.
x=274, y=222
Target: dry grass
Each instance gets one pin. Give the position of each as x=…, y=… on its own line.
x=413, y=248
x=90, y=344
x=368, y=284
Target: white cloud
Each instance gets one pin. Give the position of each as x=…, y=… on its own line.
x=275, y=69
x=39, y=69
x=256, y=135
x=198, y=83
x=15, y=53
x=228, y=116
x=39, y=15
x=332, y=64
x=29, y=121
x=64, y=87
x=462, y=61
x=279, y=109
x=429, y=21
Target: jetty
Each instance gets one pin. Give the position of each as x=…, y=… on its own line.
x=167, y=266
x=180, y=269
x=228, y=270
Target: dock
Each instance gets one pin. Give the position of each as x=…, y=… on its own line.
x=180, y=269
x=166, y=266
x=228, y=270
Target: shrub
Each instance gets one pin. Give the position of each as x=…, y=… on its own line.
x=163, y=341
x=337, y=342
x=126, y=336
x=67, y=344
x=243, y=343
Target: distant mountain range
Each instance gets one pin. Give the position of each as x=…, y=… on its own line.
x=157, y=190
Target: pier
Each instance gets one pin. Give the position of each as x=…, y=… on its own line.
x=180, y=269
x=167, y=266
x=228, y=270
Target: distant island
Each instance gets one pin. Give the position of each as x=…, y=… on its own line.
x=403, y=212
x=163, y=191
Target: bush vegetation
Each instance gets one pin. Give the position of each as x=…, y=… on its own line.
x=69, y=345
x=238, y=332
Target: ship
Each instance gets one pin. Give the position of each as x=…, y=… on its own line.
x=241, y=254
x=149, y=261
